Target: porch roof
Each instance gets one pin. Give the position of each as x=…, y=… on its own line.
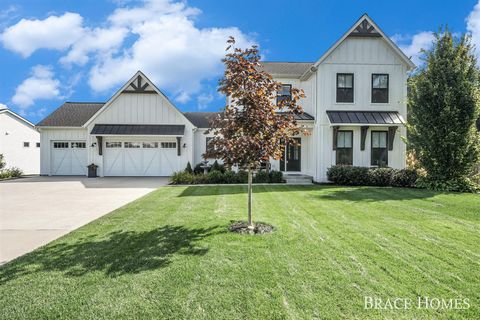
x=139, y=129
x=364, y=117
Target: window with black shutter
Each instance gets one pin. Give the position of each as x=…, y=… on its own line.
x=379, y=88
x=345, y=87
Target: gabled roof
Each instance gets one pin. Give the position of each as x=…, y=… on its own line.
x=364, y=26
x=6, y=110
x=285, y=69
x=71, y=114
x=139, y=83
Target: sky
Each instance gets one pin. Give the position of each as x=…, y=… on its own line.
x=52, y=51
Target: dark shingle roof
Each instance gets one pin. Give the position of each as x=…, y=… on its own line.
x=201, y=119
x=139, y=129
x=295, y=69
x=71, y=114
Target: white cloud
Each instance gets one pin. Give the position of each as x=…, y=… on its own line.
x=168, y=47
x=3, y=106
x=40, y=85
x=204, y=100
x=55, y=32
x=473, y=26
x=412, y=45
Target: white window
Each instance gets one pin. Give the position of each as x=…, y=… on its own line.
x=78, y=145
x=150, y=145
x=115, y=144
x=169, y=145
x=133, y=145
x=26, y=144
x=60, y=145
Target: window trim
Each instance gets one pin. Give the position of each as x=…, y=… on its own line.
x=371, y=147
x=290, y=90
x=337, y=148
x=388, y=88
x=336, y=87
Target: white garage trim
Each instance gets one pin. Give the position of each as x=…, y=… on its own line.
x=68, y=158
x=134, y=156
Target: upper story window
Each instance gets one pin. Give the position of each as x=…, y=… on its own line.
x=379, y=88
x=285, y=93
x=345, y=87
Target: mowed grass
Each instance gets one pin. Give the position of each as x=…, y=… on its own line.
x=169, y=255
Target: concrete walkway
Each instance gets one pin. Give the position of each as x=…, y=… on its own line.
x=37, y=210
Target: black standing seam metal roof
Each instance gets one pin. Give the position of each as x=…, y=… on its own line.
x=364, y=117
x=202, y=119
x=71, y=114
x=139, y=129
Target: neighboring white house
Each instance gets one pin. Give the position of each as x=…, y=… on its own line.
x=355, y=108
x=19, y=142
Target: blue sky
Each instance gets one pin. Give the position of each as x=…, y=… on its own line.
x=53, y=51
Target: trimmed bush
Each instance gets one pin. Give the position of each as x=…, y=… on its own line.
x=228, y=177
x=458, y=185
x=363, y=176
x=261, y=177
x=189, y=169
x=12, y=172
x=276, y=176
x=217, y=167
x=404, y=178
x=198, y=169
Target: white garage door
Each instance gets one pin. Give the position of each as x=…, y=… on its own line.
x=140, y=158
x=69, y=158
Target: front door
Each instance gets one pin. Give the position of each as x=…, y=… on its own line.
x=292, y=157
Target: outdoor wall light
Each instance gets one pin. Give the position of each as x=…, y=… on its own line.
x=184, y=145
x=93, y=145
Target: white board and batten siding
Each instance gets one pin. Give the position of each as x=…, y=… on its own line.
x=131, y=108
x=362, y=57
x=63, y=161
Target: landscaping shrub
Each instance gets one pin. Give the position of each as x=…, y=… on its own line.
x=198, y=169
x=363, y=176
x=261, y=177
x=457, y=185
x=217, y=167
x=381, y=177
x=276, y=176
x=189, y=169
x=12, y=172
x=404, y=178
x=228, y=177
x=350, y=176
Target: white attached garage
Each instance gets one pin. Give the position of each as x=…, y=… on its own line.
x=127, y=157
x=68, y=158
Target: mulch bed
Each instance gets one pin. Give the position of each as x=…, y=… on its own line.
x=258, y=227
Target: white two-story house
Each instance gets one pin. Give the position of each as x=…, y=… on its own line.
x=355, y=109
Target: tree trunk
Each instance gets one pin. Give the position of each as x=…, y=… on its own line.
x=250, y=224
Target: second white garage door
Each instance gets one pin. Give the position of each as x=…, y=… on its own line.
x=140, y=158
x=69, y=158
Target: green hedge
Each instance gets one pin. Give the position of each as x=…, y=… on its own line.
x=363, y=176
x=10, y=173
x=226, y=177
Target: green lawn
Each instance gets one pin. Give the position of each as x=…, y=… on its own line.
x=168, y=255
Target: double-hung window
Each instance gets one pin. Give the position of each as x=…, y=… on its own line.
x=285, y=93
x=379, y=88
x=345, y=87
x=379, y=155
x=344, y=147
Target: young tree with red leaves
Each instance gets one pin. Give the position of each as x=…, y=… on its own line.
x=252, y=129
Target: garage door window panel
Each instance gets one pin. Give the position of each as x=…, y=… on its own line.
x=169, y=145
x=150, y=145
x=60, y=145
x=113, y=144
x=132, y=145
x=78, y=145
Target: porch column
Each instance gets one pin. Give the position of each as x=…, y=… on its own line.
x=100, y=145
x=335, y=134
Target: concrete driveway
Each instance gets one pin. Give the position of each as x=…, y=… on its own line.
x=37, y=210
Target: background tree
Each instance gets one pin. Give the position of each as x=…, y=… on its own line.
x=250, y=130
x=444, y=107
